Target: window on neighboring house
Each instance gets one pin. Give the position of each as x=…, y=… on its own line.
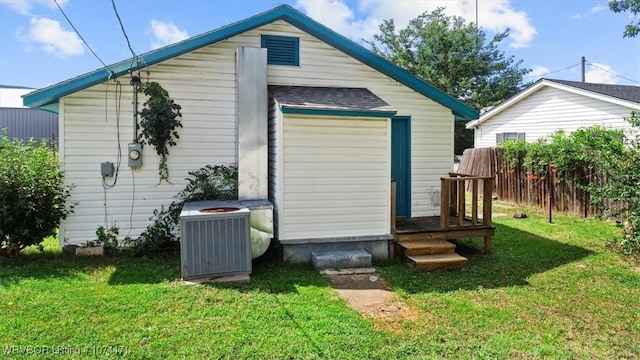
x=281, y=50
x=502, y=137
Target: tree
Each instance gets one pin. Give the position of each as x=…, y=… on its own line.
x=455, y=57
x=633, y=6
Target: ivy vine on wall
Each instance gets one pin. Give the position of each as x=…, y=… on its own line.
x=159, y=120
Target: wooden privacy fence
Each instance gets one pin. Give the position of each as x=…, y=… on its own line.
x=513, y=183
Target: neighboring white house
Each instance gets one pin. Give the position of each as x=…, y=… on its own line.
x=339, y=121
x=550, y=105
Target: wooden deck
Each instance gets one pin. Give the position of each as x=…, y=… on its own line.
x=427, y=223
x=423, y=241
x=429, y=229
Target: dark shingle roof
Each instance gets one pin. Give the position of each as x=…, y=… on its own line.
x=624, y=92
x=334, y=98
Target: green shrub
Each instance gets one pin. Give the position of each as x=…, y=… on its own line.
x=611, y=157
x=33, y=197
x=212, y=182
x=107, y=238
x=620, y=165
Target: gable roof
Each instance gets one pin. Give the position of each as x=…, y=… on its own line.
x=624, y=92
x=49, y=96
x=624, y=95
x=330, y=100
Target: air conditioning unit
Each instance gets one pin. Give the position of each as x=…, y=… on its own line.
x=214, y=239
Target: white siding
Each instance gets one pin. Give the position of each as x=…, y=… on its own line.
x=203, y=83
x=206, y=92
x=336, y=177
x=548, y=110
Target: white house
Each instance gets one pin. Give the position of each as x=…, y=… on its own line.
x=550, y=105
x=338, y=122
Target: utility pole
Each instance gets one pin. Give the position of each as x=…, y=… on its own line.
x=476, y=15
x=584, y=61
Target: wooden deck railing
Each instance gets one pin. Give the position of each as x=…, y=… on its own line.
x=453, y=201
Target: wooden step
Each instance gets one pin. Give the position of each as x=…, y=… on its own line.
x=437, y=262
x=426, y=247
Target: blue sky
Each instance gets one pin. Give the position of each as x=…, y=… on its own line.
x=39, y=48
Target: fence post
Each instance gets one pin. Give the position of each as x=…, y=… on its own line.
x=487, y=201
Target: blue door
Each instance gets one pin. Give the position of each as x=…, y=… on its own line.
x=401, y=163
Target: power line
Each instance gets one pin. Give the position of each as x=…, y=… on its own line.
x=113, y=3
x=612, y=73
x=578, y=64
x=81, y=38
x=552, y=72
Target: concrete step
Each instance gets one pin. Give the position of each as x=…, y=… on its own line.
x=408, y=248
x=341, y=259
x=437, y=262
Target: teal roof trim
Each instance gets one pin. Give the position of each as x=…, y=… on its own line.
x=52, y=94
x=337, y=112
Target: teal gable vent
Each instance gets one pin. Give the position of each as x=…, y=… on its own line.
x=281, y=50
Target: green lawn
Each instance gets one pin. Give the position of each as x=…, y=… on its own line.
x=546, y=291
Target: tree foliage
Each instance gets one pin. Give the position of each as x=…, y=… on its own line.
x=632, y=6
x=455, y=57
x=33, y=197
x=621, y=167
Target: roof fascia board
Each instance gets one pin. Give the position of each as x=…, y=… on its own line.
x=284, y=12
x=336, y=112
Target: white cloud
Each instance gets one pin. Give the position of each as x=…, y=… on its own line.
x=601, y=73
x=336, y=15
x=594, y=10
x=165, y=33
x=495, y=16
x=52, y=38
x=24, y=7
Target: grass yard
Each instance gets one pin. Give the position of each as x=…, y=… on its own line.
x=546, y=291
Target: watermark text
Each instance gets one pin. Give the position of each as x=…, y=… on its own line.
x=65, y=350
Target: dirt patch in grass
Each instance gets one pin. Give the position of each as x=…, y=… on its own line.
x=371, y=296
